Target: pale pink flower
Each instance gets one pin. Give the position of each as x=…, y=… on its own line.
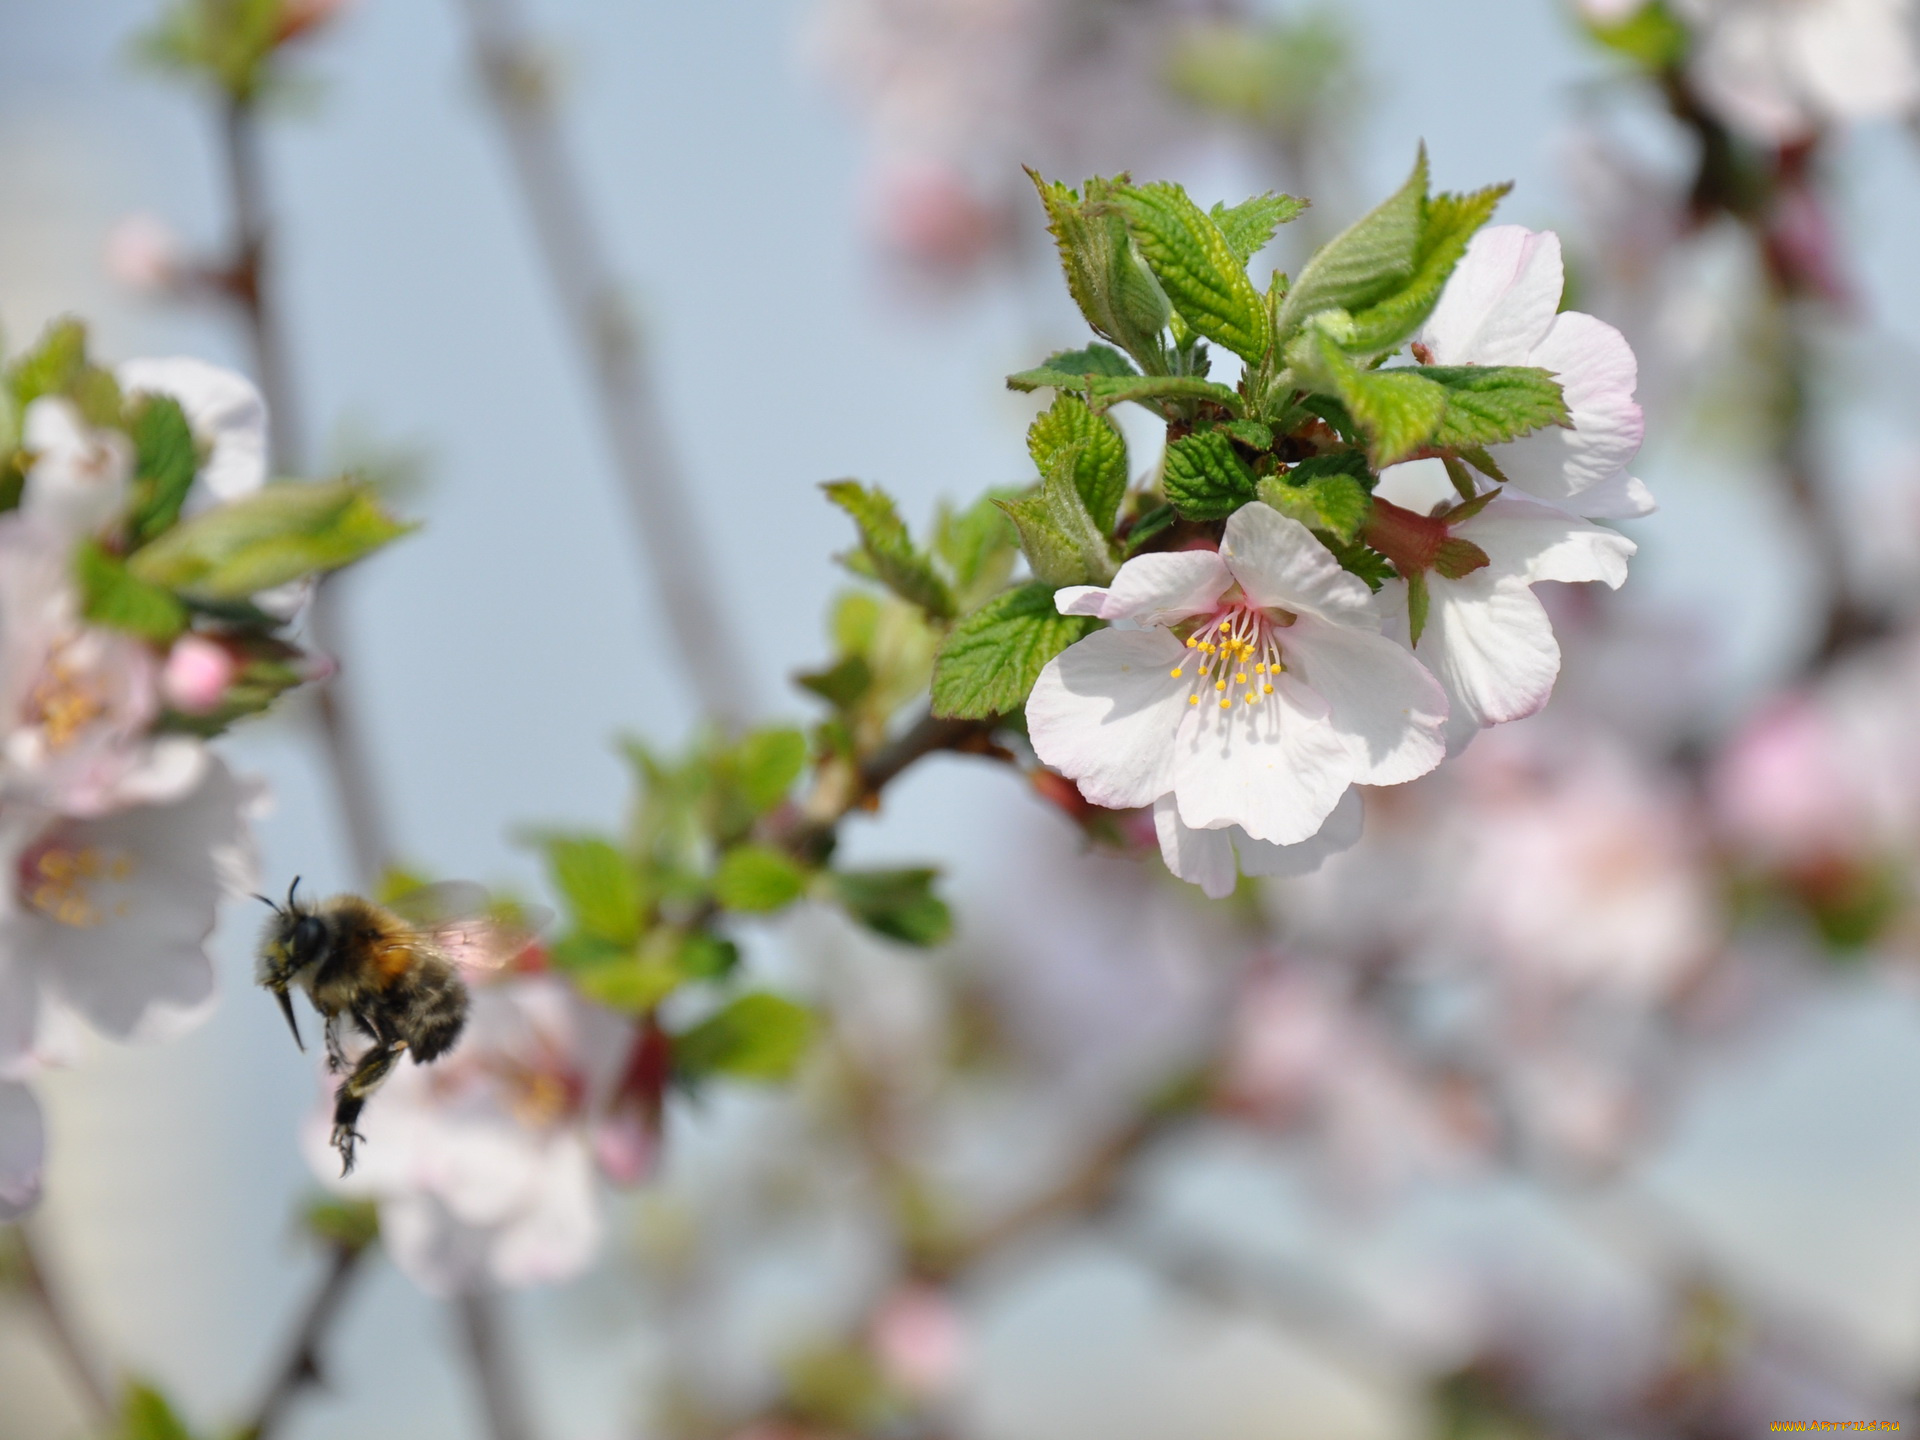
x=197, y=674
x=23, y=1144
x=930, y=213
x=920, y=1339
x=483, y=1163
x=1281, y=694
x=77, y=483
x=1501, y=306
x=1487, y=639
x=1786, y=787
x=1780, y=69
x=144, y=253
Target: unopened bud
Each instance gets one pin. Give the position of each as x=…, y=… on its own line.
x=197, y=674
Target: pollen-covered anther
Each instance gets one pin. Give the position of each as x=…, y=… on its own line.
x=59, y=880
x=1238, y=643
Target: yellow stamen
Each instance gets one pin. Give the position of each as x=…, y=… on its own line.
x=1226, y=704
x=1240, y=678
x=1193, y=699
x=1176, y=672
x=1219, y=684
x=1264, y=690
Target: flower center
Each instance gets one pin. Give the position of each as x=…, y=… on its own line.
x=59, y=880
x=1233, y=657
x=62, y=703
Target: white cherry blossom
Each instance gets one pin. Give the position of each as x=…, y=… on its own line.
x=484, y=1162
x=1206, y=857
x=1487, y=638
x=77, y=482
x=1502, y=307
x=224, y=410
x=1276, y=692
x=23, y=1144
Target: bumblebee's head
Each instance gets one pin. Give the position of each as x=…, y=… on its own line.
x=294, y=939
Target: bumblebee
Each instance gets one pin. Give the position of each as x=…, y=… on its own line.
x=393, y=977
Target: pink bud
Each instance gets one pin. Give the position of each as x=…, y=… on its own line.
x=624, y=1144
x=144, y=254
x=198, y=673
x=920, y=1340
x=927, y=211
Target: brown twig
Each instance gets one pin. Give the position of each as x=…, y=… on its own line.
x=518, y=91
x=302, y=1369
x=503, y=1403
x=88, y=1381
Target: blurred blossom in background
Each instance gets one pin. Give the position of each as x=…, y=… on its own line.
x=1578, y=1098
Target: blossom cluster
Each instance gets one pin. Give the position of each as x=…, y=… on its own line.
x=148, y=577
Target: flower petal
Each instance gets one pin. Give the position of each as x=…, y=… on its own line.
x=1275, y=769
x=1340, y=832
x=1500, y=299
x=1282, y=567
x=1597, y=374
x=1620, y=498
x=1104, y=713
x=1200, y=857
x=1157, y=589
x=1379, y=699
x=224, y=410
x=1489, y=641
x=1531, y=541
x=23, y=1148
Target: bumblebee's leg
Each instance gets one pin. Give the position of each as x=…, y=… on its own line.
x=352, y=1095
x=336, y=1053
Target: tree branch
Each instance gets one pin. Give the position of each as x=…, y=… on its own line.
x=503, y=1402
x=302, y=1368
x=97, y=1399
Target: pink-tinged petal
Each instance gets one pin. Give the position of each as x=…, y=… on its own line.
x=1531, y=541
x=1742, y=67
x=1619, y=498
x=79, y=477
x=1379, y=699
x=1489, y=641
x=23, y=1149
x=224, y=410
x=1500, y=299
x=1277, y=862
x=1158, y=589
x=559, y=1233
x=1104, y=713
x=1282, y=567
x=1276, y=768
x=1597, y=374
x=1200, y=857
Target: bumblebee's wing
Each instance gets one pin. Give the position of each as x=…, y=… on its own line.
x=491, y=941
x=432, y=906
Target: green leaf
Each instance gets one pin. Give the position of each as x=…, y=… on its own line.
x=166, y=461
x=1062, y=544
x=897, y=562
x=705, y=956
x=756, y=1037
x=1651, y=36
x=1364, y=561
x=1458, y=558
x=1248, y=226
x=842, y=685
x=1324, y=494
x=990, y=661
x=1490, y=404
x=110, y=596
x=1196, y=266
x=1205, y=478
x=275, y=535
x=146, y=1414
x=1251, y=433
x=1448, y=222
x=1148, y=526
x=978, y=546
x=1419, y=601
x=766, y=764
x=1399, y=410
x=1369, y=260
x=1103, y=394
x=1099, y=454
x=599, y=884
x=1092, y=360
x=757, y=879
x=632, y=983
x=899, y=904
x=348, y=1224
x=1108, y=281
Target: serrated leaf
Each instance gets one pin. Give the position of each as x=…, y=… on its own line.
x=899, y=904
x=1448, y=222
x=1148, y=526
x=757, y=879
x=1369, y=260
x=1251, y=433
x=897, y=562
x=279, y=534
x=597, y=882
x=1364, y=561
x=1099, y=454
x=989, y=663
x=1248, y=226
x=1458, y=558
x=1108, y=280
x=766, y=764
x=1204, y=478
x=1651, y=36
x=1090, y=360
x=1196, y=266
x=1399, y=410
x=1323, y=494
x=1062, y=544
x=1419, y=603
x=1104, y=393
x=755, y=1037
x=1490, y=404
x=112, y=597
x=841, y=685
x=978, y=546
x=166, y=460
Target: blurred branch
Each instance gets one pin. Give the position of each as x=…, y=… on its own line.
x=502, y=1396
x=519, y=92
x=249, y=279
x=96, y=1398
x=302, y=1368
